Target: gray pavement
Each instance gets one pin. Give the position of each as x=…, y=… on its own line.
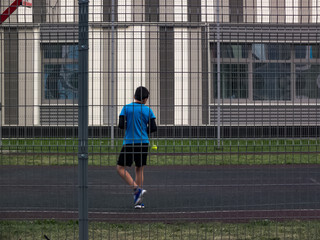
x=171, y=189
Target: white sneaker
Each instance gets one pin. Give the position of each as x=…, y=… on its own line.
x=139, y=206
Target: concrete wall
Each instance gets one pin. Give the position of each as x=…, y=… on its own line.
x=138, y=57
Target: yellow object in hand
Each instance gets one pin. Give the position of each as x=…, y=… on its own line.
x=154, y=147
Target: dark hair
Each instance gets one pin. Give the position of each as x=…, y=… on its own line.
x=141, y=93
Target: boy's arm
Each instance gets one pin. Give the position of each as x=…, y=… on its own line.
x=152, y=125
x=122, y=122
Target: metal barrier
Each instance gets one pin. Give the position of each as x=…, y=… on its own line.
x=234, y=86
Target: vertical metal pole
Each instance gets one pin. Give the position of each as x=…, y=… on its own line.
x=112, y=74
x=83, y=120
x=37, y=76
x=218, y=75
x=1, y=97
x=0, y=110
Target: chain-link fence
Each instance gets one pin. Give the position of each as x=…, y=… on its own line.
x=234, y=87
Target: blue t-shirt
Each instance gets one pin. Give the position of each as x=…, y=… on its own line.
x=138, y=116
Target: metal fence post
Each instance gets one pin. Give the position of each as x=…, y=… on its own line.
x=83, y=120
x=112, y=74
x=218, y=77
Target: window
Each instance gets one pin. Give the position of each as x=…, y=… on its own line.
x=307, y=72
x=236, y=11
x=227, y=50
x=151, y=10
x=271, y=71
x=234, y=71
x=60, y=73
x=266, y=72
x=271, y=51
x=271, y=81
x=194, y=10
x=233, y=81
x=307, y=81
x=307, y=52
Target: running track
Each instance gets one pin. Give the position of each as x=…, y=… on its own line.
x=184, y=193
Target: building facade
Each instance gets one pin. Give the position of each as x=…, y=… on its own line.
x=269, y=62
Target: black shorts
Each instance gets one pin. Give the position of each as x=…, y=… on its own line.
x=133, y=152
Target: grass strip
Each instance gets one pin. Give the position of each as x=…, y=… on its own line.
x=262, y=230
x=169, y=152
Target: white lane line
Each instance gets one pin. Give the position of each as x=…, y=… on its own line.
x=314, y=181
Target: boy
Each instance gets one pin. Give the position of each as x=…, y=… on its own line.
x=138, y=120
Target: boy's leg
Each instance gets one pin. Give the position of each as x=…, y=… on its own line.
x=139, y=176
x=125, y=175
x=140, y=159
x=125, y=159
x=139, y=182
x=138, y=193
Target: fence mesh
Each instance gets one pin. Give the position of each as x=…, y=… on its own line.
x=234, y=86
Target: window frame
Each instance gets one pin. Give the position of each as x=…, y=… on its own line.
x=244, y=61
x=53, y=61
x=250, y=61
